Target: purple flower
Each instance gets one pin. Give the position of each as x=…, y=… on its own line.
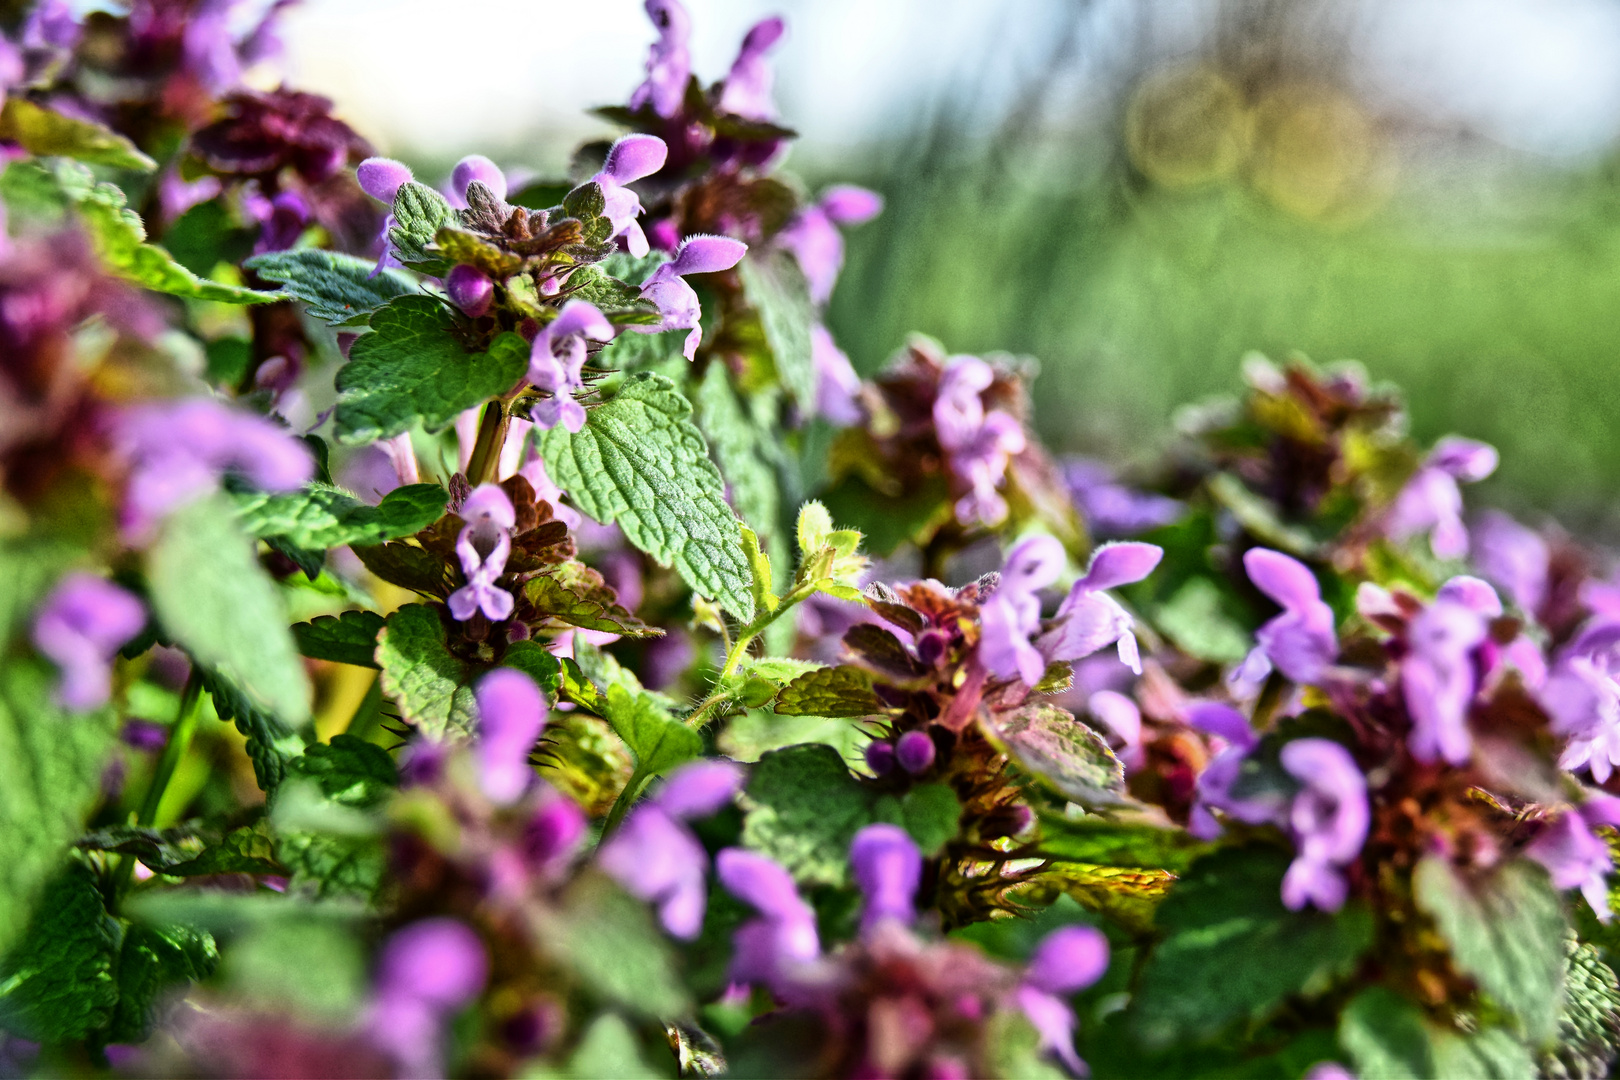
x=1066, y=961
x=1328, y=1070
x=656, y=857
x=1013, y=611
x=837, y=386
x=1089, y=618
x=381, y=178
x=979, y=444
x=1301, y=641
x=427, y=971
x=1430, y=502
x=474, y=167
x=1214, y=790
x=1514, y=556
x=1438, y=677
x=554, y=833
x=282, y=220
x=1114, y=509
x=1582, y=695
x=630, y=159
x=813, y=237
x=888, y=868
x=674, y=298
x=470, y=289
x=1123, y=720
x=767, y=949
x=914, y=751
x=179, y=449
x=1575, y=856
x=669, y=65
x=208, y=48
x=82, y=625
x=12, y=67
x=1328, y=818
x=483, y=548
x=52, y=25
x=747, y=89
x=557, y=360
x=879, y=756
x=511, y=715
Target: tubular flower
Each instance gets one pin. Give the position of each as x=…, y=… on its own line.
x=674, y=298
x=837, y=385
x=1431, y=502
x=669, y=64
x=1577, y=858
x=1066, y=961
x=814, y=240
x=888, y=868
x=428, y=970
x=474, y=167
x=1089, y=618
x=1013, y=611
x=1438, y=677
x=978, y=443
x=1582, y=694
x=483, y=547
x=556, y=361
x=768, y=949
x=747, y=89
x=511, y=715
x=1301, y=641
x=656, y=857
x=630, y=159
x=82, y=625
x=179, y=450
x=1328, y=817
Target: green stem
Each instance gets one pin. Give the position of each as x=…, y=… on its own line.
x=486, y=456
x=368, y=713
x=739, y=649
x=174, y=751
x=622, y=804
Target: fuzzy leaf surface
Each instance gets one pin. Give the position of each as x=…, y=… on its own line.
x=410, y=369
x=1232, y=952
x=573, y=593
x=350, y=771
x=777, y=288
x=50, y=779
x=271, y=743
x=336, y=288
x=321, y=516
x=48, y=133
x=610, y=941
x=348, y=638
x=806, y=809
x=215, y=600
x=844, y=690
x=1062, y=751
x=420, y=673
x=60, y=983
x=1506, y=930
x=419, y=214
x=641, y=462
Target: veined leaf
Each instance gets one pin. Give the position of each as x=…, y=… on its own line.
x=48, y=133
x=420, y=673
x=321, y=516
x=349, y=638
x=336, y=288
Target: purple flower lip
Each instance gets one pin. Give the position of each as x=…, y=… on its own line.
x=81, y=626
x=676, y=301
x=1329, y=819
x=1301, y=642
x=475, y=168
x=381, y=178
x=1576, y=857
x=483, y=547
x=668, y=63
x=1089, y=619
x=888, y=868
x=511, y=715
x=1431, y=502
x=557, y=360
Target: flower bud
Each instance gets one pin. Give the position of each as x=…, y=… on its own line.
x=470, y=289
x=915, y=752
x=880, y=757
x=382, y=177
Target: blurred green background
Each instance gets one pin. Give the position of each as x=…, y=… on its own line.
x=1138, y=194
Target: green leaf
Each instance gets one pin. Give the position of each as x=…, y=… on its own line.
x=50, y=779
x=349, y=638
x=119, y=238
x=806, y=809
x=152, y=961
x=1492, y=1054
x=1589, y=1022
x=271, y=744
x=320, y=516
x=1067, y=754
x=639, y=461
x=350, y=771
x=776, y=287
x=930, y=813
x=1232, y=952
x=1194, y=618
x=404, y=565
x=1097, y=841
x=537, y=662
x=573, y=593
x=1386, y=1037
x=411, y=369
x=48, y=133
x=336, y=288
x=759, y=567
x=661, y=352
x=331, y=849
x=420, y=674
x=609, y=1048
x=214, y=599
x=314, y=969
x=60, y=982
x=419, y=214
x=845, y=690
x=185, y=851
x=658, y=741
x=205, y=236
x=739, y=451
x=1506, y=930
x=610, y=941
